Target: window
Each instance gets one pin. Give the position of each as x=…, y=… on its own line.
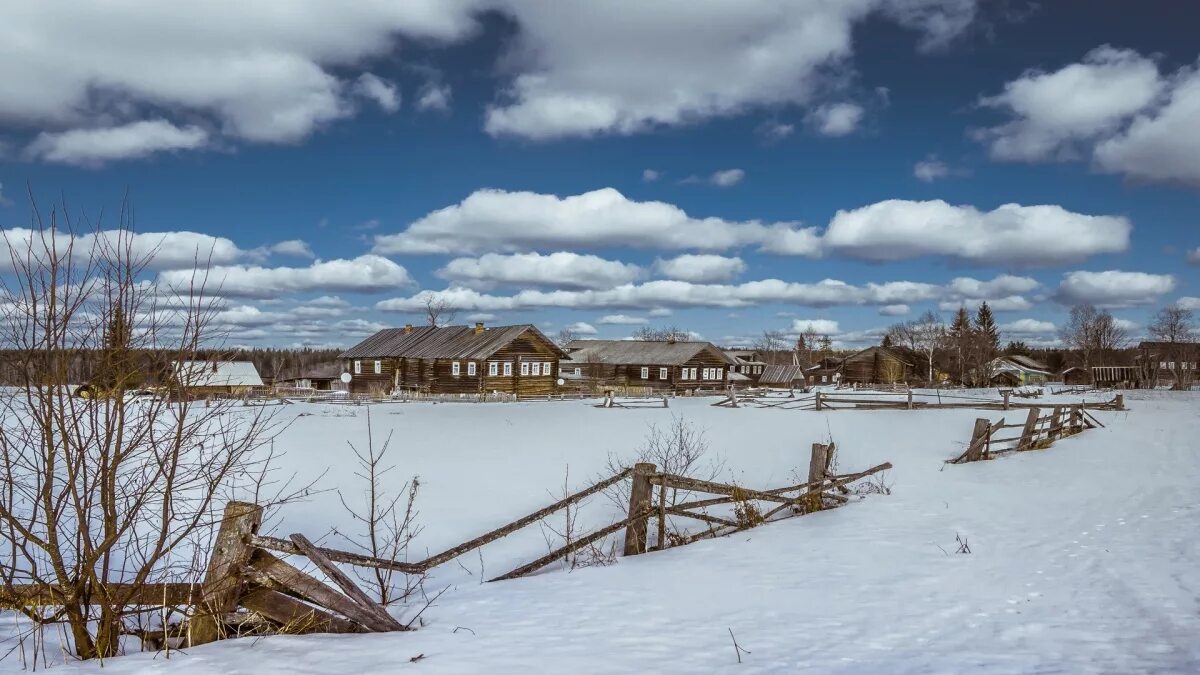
x=455, y=369
x=358, y=367
x=719, y=374
x=493, y=368
x=645, y=373
x=536, y=369
x=524, y=368
x=708, y=373
x=824, y=378
x=578, y=371
x=378, y=367
x=471, y=368
x=662, y=373
x=508, y=368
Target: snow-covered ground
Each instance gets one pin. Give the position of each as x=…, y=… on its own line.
x=1084, y=557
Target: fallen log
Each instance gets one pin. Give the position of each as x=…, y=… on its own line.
x=294, y=615
x=344, y=582
x=288, y=547
x=265, y=568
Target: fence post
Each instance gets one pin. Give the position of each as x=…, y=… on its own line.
x=1120, y=401
x=817, y=465
x=639, y=502
x=1006, y=394
x=223, y=579
x=910, y=399
x=1055, y=424
x=1075, y=420
x=978, y=439
x=818, y=401
x=1028, y=433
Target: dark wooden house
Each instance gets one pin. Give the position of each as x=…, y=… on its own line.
x=518, y=360
x=676, y=366
x=785, y=377
x=319, y=377
x=878, y=365
x=748, y=363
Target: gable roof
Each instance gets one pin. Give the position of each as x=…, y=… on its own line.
x=781, y=374
x=320, y=371
x=216, y=373
x=442, y=342
x=1023, y=363
x=901, y=354
x=639, y=352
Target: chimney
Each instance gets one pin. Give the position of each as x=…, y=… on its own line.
x=408, y=328
x=478, y=327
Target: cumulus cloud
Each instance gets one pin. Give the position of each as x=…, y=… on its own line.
x=894, y=310
x=1114, y=107
x=1113, y=288
x=512, y=221
x=364, y=274
x=650, y=175
x=932, y=168
x=683, y=62
x=622, y=320
x=1189, y=303
x=293, y=247
x=1012, y=234
x=1027, y=327
x=727, y=177
x=1005, y=284
x=582, y=328
x=159, y=250
x=561, y=270
x=671, y=293
x=482, y=316
x=434, y=96
x=772, y=131
x=379, y=90
x=836, y=119
x=821, y=326
x=702, y=268
x=1193, y=255
x=96, y=146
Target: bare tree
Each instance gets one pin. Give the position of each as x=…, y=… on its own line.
x=925, y=335
x=1094, y=334
x=773, y=345
x=670, y=333
x=1174, y=328
x=103, y=495
x=439, y=310
x=565, y=337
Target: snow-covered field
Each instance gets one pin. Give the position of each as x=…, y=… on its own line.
x=1084, y=557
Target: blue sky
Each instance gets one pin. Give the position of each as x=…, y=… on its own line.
x=846, y=164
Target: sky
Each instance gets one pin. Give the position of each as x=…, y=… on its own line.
x=723, y=166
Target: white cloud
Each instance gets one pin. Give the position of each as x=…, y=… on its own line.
x=1013, y=234
x=1114, y=107
x=1011, y=303
x=435, y=96
x=836, y=119
x=821, y=326
x=931, y=168
x=702, y=268
x=561, y=270
x=650, y=175
x=1193, y=255
x=159, y=250
x=670, y=293
x=772, y=131
x=1027, y=327
x=1113, y=288
x=1188, y=302
x=95, y=146
x=582, y=328
x=364, y=274
x=1005, y=284
x=293, y=247
x=894, y=310
x=512, y=221
x=379, y=90
x=660, y=312
x=684, y=61
x=622, y=320
x=727, y=177
x=482, y=316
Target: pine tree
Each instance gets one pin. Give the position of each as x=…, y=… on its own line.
x=986, y=324
x=961, y=334
x=887, y=340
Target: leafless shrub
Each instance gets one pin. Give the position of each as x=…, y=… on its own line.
x=877, y=484
x=963, y=547
x=680, y=449
x=388, y=521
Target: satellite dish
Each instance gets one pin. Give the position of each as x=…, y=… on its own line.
x=561, y=382
x=346, y=378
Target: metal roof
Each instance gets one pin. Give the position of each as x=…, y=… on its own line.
x=444, y=342
x=641, y=352
x=217, y=373
x=781, y=374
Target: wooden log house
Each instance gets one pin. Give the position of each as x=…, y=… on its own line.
x=879, y=365
x=669, y=365
x=518, y=360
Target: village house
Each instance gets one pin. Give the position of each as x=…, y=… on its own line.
x=1173, y=364
x=669, y=365
x=319, y=377
x=208, y=378
x=1018, y=371
x=879, y=365
x=518, y=360
x=747, y=363
x=825, y=371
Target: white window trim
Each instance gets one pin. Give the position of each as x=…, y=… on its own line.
x=535, y=369
x=378, y=366
x=357, y=367
x=493, y=368
x=508, y=368
x=455, y=369
x=645, y=372
x=578, y=371
x=662, y=373
x=524, y=368
x=471, y=368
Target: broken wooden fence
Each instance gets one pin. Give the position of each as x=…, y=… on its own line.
x=843, y=400
x=611, y=401
x=1037, y=431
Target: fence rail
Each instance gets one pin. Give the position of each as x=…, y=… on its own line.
x=1038, y=431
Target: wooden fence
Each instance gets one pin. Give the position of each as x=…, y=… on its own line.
x=1038, y=431
x=247, y=587
x=842, y=400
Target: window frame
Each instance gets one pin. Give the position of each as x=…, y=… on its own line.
x=472, y=369
x=508, y=369
x=663, y=374
x=455, y=368
x=524, y=369
x=493, y=368
x=645, y=372
x=357, y=366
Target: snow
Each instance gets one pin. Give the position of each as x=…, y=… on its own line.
x=1083, y=556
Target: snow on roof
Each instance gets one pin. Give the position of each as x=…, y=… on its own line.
x=217, y=374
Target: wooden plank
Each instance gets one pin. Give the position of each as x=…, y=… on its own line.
x=147, y=595
x=1029, y=431
x=295, y=582
x=837, y=481
x=292, y=613
x=639, y=502
x=286, y=546
x=573, y=546
x=1056, y=423
x=450, y=554
x=978, y=438
x=343, y=581
x=223, y=580
x=676, y=511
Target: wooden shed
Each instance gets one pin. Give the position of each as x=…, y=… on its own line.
x=1076, y=375
x=204, y=378
x=668, y=365
x=517, y=359
x=319, y=377
x=878, y=365
x=789, y=377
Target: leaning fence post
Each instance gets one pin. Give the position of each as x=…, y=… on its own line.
x=223, y=579
x=978, y=439
x=817, y=465
x=1075, y=420
x=1027, y=434
x=639, y=505
x=1056, y=423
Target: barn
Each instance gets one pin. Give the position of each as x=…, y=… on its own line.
x=517, y=360
x=319, y=377
x=878, y=365
x=669, y=365
x=207, y=378
x=789, y=377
